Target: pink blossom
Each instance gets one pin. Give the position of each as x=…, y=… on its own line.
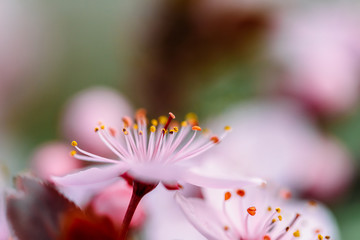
x=257, y=214
x=278, y=142
x=165, y=219
x=161, y=154
x=319, y=51
x=113, y=202
x=53, y=159
x=89, y=107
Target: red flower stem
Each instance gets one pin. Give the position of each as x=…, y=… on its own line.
x=139, y=191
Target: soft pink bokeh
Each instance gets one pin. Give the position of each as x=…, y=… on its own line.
x=113, y=202
x=84, y=111
x=24, y=52
x=319, y=54
x=53, y=159
x=276, y=141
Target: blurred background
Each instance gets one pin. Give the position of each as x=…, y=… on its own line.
x=285, y=73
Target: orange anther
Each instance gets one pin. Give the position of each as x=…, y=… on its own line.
x=240, y=192
x=251, y=211
x=112, y=132
x=127, y=121
x=214, y=139
x=227, y=196
x=266, y=237
x=196, y=128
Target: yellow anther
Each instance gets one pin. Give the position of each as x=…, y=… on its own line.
x=102, y=127
x=278, y=210
x=269, y=209
x=74, y=143
x=206, y=131
x=176, y=129
x=163, y=120
x=125, y=131
x=196, y=128
x=135, y=126
x=226, y=228
x=227, y=196
x=163, y=130
x=171, y=131
x=320, y=237
x=273, y=220
x=296, y=233
x=72, y=153
x=184, y=123
x=227, y=128
x=280, y=218
x=154, y=122
x=191, y=115
x=141, y=133
x=327, y=237
x=96, y=129
x=152, y=129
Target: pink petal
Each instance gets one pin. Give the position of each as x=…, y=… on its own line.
x=82, y=194
x=155, y=172
x=4, y=228
x=204, y=219
x=168, y=224
x=201, y=180
x=92, y=175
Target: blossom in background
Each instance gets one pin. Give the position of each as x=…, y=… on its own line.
x=87, y=108
x=113, y=202
x=157, y=155
x=53, y=159
x=278, y=142
x=255, y=213
x=319, y=53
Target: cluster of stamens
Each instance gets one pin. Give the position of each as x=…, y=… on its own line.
x=265, y=228
x=164, y=141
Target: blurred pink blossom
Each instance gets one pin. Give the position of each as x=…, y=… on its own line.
x=257, y=213
x=53, y=159
x=86, y=109
x=278, y=142
x=113, y=202
x=319, y=51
